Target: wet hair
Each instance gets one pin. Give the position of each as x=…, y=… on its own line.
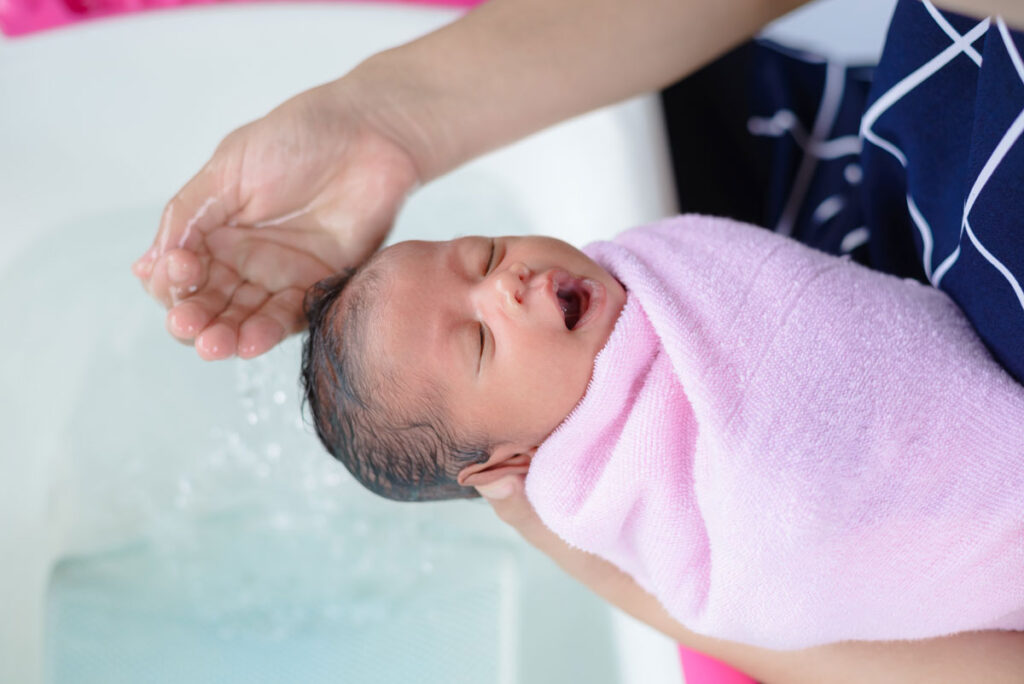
x=404, y=454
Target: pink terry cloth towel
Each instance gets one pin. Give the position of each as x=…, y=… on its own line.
x=789, y=449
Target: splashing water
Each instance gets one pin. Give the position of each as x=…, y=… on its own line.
x=206, y=536
x=264, y=548
x=199, y=514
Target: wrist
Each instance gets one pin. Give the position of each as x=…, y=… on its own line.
x=396, y=98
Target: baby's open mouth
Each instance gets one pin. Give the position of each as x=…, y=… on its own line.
x=573, y=298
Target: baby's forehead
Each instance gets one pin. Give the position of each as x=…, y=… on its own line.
x=351, y=313
x=368, y=318
x=369, y=285
x=403, y=254
x=398, y=271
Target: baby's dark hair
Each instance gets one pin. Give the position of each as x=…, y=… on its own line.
x=405, y=455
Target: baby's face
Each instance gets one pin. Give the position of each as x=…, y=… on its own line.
x=507, y=328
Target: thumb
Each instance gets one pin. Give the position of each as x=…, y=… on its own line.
x=499, y=490
x=507, y=497
x=201, y=205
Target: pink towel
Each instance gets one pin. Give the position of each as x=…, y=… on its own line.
x=788, y=449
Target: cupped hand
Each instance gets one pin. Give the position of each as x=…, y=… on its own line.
x=289, y=199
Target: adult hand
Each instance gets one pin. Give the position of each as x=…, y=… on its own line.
x=507, y=497
x=994, y=656
x=315, y=185
x=286, y=200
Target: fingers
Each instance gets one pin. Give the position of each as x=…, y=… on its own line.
x=219, y=340
x=176, y=275
x=186, y=319
x=277, y=258
x=280, y=316
x=201, y=205
x=498, y=491
x=507, y=497
x=143, y=266
x=247, y=322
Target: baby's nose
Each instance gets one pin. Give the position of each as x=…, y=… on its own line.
x=511, y=285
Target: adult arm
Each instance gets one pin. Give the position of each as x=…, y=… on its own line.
x=512, y=67
x=993, y=657
x=315, y=185
x=1010, y=10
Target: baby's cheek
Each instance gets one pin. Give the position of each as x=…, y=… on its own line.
x=576, y=365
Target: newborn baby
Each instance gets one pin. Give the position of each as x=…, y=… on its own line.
x=443, y=365
x=783, y=447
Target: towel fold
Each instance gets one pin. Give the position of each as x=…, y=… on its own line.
x=788, y=449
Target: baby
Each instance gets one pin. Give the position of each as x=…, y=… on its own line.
x=441, y=366
x=783, y=447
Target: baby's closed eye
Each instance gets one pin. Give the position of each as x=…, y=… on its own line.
x=487, y=267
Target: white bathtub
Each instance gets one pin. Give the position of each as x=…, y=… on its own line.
x=159, y=509
x=140, y=486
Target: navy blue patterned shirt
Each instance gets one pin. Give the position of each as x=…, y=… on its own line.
x=943, y=166
x=915, y=167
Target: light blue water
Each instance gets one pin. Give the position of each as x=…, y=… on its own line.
x=244, y=602
x=252, y=557
x=207, y=537
x=217, y=541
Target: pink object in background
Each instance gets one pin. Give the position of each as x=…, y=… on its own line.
x=19, y=17
x=703, y=669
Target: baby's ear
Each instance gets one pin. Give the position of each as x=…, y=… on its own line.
x=497, y=467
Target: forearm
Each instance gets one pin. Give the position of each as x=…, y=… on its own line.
x=620, y=590
x=992, y=657
x=512, y=67
x=1011, y=10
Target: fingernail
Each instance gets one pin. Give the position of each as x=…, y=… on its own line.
x=144, y=264
x=147, y=257
x=496, y=492
x=177, y=327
